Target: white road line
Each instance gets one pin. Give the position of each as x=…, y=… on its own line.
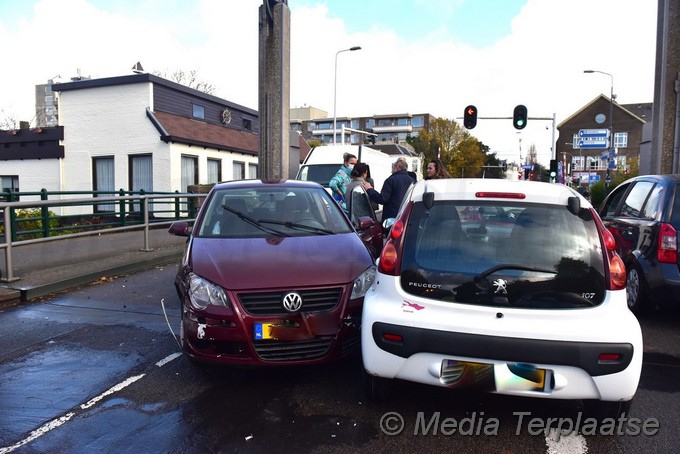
x=63, y=419
x=38, y=432
x=111, y=390
x=167, y=359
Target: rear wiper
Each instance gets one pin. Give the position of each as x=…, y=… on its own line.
x=294, y=225
x=479, y=285
x=253, y=222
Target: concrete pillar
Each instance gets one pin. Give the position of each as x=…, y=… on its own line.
x=274, y=89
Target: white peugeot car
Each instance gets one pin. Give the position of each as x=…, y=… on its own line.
x=511, y=287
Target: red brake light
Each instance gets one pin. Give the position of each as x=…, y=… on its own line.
x=668, y=244
x=500, y=195
x=388, y=258
x=609, y=241
x=397, y=229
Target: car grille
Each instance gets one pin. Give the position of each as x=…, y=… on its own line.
x=269, y=303
x=270, y=350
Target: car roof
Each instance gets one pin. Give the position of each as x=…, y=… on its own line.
x=467, y=188
x=671, y=178
x=256, y=183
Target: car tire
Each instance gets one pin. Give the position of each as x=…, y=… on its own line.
x=635, y=290
x=376, y=389
x=601, y=410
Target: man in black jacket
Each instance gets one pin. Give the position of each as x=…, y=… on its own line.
x=393, y=190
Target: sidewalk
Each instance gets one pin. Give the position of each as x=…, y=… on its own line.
x=53, y=266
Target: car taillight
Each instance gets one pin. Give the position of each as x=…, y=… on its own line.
x=617, y=269
x=617, y=272
x=397, y=229
x=668, y=244
x=388, y=259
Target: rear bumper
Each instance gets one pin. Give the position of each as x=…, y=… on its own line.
x=582, y=355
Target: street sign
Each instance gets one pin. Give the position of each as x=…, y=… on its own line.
x=593, y=179
x=528, y=167
x=588, y=143
x=595, y=133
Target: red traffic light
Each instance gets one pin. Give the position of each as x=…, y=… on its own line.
x=470, y=117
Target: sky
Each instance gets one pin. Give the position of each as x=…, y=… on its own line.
x=417, y=56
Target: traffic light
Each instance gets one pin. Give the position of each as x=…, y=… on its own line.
x=504, y=165
x=470, y=117
x=519, y=117
x=553, y=169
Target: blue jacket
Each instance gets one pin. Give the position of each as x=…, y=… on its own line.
x=392, y=193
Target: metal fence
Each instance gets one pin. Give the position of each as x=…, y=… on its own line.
x=33, y=222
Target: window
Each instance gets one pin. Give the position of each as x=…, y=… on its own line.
x=140, y=176
x=8, y=183
x=104, y=181
x=198, y=111
x=239, y=170
x=632, y=206
x=620, y=140
x=418, y=121
x=247, y=124
x=252, y=171
x=189, y=172
x=214, y=170
x=370, y=123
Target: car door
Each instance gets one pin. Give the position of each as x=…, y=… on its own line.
x=624, y=214
x=364, y=220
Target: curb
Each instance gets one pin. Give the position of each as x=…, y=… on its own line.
x=13, y=296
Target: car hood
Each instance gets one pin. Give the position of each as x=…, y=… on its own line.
x=259, y=263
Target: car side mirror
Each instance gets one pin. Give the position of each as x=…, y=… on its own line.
x=180, y=228
x=365, y=222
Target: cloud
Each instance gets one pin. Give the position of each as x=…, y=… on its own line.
x=539, y=64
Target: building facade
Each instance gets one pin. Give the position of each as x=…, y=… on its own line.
x=389, y=128
x=584, y=150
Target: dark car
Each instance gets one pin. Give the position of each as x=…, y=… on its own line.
x=643, y=213
x=274, y=273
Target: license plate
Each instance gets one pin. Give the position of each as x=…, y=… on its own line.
x=263, y=331
x=501, y=377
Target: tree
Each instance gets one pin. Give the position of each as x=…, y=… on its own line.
x=461, y=153
x=190, y=79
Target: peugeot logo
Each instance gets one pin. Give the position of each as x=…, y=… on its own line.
x=292, y=302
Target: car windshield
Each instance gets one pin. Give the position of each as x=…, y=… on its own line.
x=266, y=211
x=510, y=254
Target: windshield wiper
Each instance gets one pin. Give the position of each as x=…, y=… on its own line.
x=253, y=222
x=480, y=286
x=294, y=225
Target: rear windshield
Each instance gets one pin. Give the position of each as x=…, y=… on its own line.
x=514, y=255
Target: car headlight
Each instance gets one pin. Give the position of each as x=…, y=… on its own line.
x=363, y=282
x=203, y=293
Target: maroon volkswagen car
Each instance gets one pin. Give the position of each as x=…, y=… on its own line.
x=273, y=273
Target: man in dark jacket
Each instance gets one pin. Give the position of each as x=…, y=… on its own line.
x=393, y=190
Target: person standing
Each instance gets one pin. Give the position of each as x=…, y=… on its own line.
x=341, y=179
x=436, y=170
x=393, y=190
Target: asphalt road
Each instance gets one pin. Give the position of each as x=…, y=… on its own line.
x=98, y=369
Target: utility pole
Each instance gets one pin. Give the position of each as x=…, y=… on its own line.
x=274, y=90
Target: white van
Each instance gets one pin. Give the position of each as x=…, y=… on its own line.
x=323, y=162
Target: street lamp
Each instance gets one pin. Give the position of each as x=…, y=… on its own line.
x=611, y=110
x=335, y=87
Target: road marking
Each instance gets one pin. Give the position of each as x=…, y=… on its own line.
x=167, y=359
x=38, y=432
x=63, y=419
x=111, y=390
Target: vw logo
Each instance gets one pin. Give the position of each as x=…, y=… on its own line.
x=292, y=302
